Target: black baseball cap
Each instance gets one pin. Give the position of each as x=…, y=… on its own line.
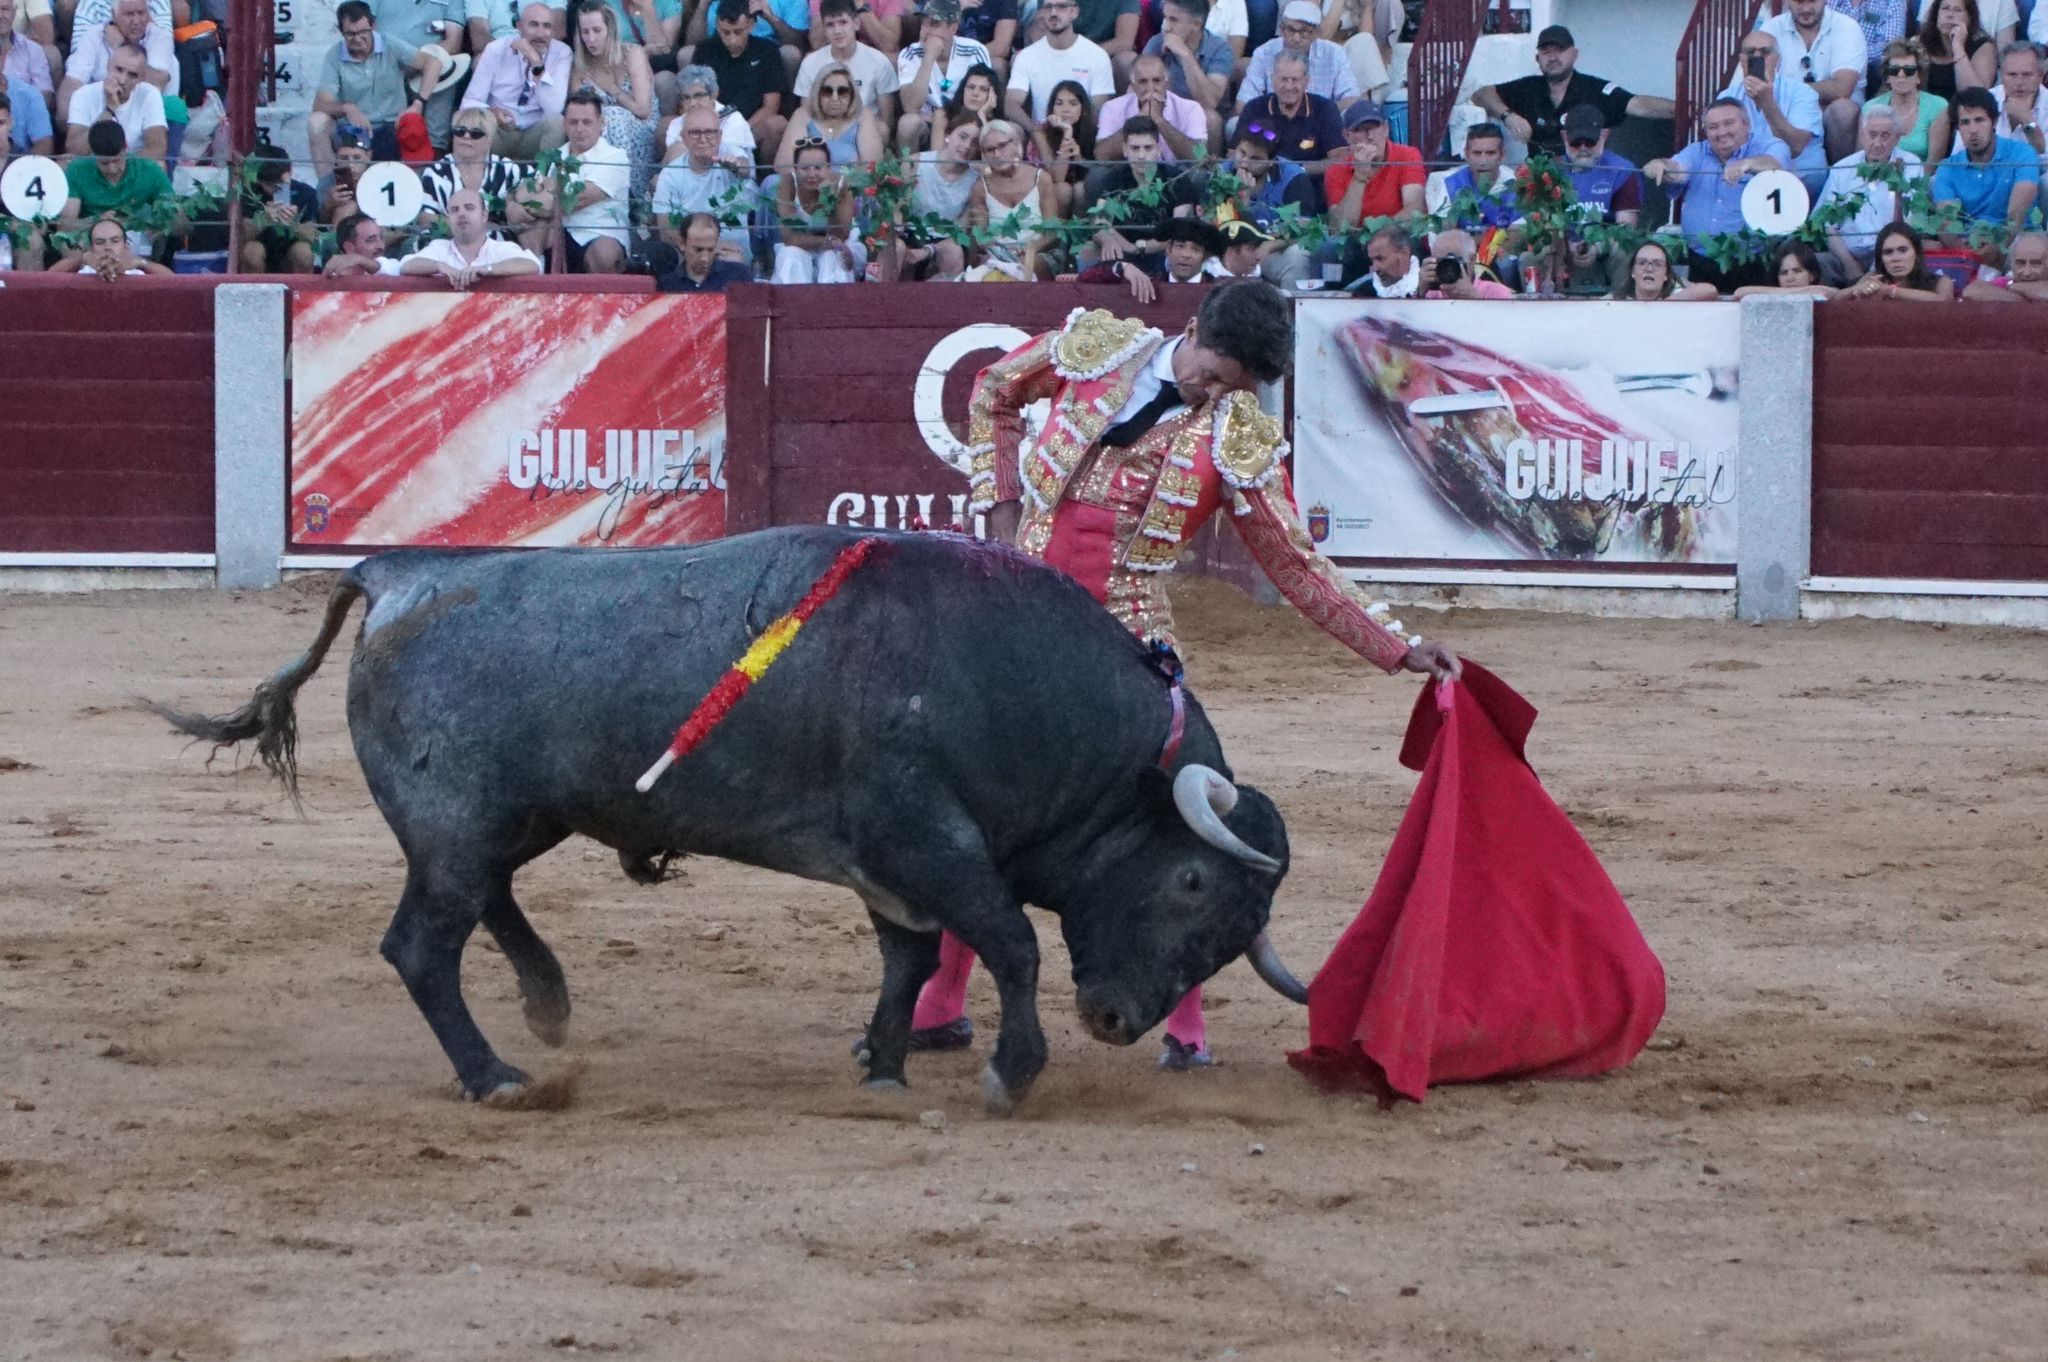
x=1584, y=123
x=1557, y=35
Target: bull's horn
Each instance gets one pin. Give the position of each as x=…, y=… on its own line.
x=1203, y=797
x=1274, y=971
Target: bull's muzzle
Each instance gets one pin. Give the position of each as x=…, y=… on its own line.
x=1106, y=1021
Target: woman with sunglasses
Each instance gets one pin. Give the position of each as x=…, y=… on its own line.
x=1960, y=54
x=820, y=244
x=1898, y=269
x=1652, y=280
x=618, y=74
x=1016, y=199
x=1922, y=120
x=835, y=117
x=1796, y=267
x=1064, y=141
x=976, y=101
x=470, y=164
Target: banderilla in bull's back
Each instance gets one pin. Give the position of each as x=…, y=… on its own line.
x=958, y=732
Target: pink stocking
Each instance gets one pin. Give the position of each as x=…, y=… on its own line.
x=944, y=998
x=1184, y=1023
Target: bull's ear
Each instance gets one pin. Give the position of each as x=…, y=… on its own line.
x=1155, y=788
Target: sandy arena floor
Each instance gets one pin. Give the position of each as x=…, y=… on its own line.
x=225, y=1131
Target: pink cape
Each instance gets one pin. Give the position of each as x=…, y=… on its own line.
x=1494, y=944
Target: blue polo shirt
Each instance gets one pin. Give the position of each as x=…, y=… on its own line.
x=1712, y=205
x=1496, y=206
x=1985, y=191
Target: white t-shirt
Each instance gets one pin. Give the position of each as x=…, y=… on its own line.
x=874, y=75
x=966, y=54
x=88, y=61
x=143, y=111
x=442, y=251
x=1227, y=19
x=1880, y=202
x=607, y=167
x=1041, y=66
x=1839, y=46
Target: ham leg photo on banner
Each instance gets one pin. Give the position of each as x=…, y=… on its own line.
x=1494, y=944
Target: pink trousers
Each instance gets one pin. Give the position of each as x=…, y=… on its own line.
x=1083, y=546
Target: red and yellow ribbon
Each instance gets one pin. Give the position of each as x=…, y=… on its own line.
x=758, y=658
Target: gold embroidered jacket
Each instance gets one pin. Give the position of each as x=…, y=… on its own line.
x=1228, y=451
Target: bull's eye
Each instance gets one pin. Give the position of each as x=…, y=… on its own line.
x=1191, y=880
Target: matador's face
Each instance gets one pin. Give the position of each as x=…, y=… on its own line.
x=1202, y=375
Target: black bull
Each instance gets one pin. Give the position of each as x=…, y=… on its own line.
x=959, y=732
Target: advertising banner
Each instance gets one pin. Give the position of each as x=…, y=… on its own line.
x=866, y=399
x=1498, y=434
x=500, y=419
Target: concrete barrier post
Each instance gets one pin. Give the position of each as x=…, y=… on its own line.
x=250, y=446
x=1774, y=497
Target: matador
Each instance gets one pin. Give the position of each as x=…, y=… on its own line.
x=1148, y=437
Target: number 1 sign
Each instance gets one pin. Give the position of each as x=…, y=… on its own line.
x=390, y=192
x=1774, y=202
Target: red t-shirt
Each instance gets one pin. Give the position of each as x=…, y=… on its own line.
x=1403, y=166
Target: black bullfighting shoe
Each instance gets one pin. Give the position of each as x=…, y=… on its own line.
x=956, y=1034
x=1178, y=1057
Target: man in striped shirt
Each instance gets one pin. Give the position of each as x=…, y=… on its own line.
x=1329, y=70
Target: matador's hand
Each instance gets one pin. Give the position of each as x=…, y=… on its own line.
x=1434, y=658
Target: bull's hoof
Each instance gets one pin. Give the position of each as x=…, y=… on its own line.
x=502, y=1086
x=996, y=1097
x=548, y=1019
x=885, y=1086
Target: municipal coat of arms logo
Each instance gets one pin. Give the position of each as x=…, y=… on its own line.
x=317, y=508
x=1319, y=522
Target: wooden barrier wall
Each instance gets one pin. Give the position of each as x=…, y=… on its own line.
x=1927, y=441
x=106, y=428
x=821, y=418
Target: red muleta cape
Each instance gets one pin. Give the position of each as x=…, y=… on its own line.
x=1494, y=945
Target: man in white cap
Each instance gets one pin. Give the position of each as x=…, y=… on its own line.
x=1329, y=70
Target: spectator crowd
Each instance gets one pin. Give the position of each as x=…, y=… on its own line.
x=1141, y=142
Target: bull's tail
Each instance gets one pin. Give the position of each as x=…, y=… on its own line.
x=270, y=717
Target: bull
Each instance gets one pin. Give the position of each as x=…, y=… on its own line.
x=961, y=731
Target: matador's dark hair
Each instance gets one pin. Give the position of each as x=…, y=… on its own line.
x=1249, y=321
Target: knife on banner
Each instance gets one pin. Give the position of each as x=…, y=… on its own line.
x=1450, y=404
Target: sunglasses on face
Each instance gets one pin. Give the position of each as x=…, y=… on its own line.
x=1582, y=143
x=835, y=89
x=470, y=132
x=1891, y=71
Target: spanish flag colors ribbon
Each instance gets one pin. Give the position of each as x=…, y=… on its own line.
x=755, y=661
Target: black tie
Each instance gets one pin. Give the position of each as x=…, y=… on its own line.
x=1128, y=432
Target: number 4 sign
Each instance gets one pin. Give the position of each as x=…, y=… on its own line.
x=1774, y=202
x=33, y=187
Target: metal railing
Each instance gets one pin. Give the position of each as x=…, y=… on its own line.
x=1707, y=56
x=1437, y=64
